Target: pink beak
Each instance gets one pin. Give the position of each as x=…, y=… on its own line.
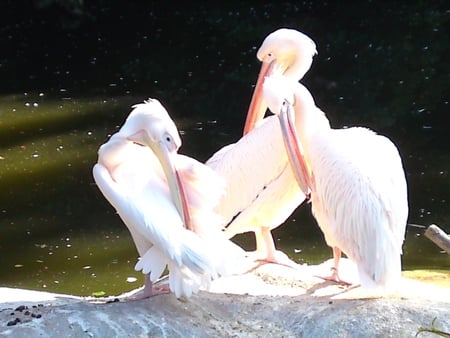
x=257, y=108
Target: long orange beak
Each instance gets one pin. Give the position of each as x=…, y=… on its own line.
x=258, y=108
x=174, y=179
x=294, y=149
x=179, y=193
x=176, y=186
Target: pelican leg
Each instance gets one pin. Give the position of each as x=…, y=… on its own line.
x=149, y=290
x=337, y=253
x=272, y=254
x=334, y=277
x=266, y=250
x=261, y=251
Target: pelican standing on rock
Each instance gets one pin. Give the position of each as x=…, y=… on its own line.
x=166, y=200
x=261, y=192
x=357, y=182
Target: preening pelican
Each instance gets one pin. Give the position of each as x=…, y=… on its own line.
x=357, y=182
x=261, y=192
x=166, y=200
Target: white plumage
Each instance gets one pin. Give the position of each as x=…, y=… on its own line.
x=261, y=192
x=134, y=179
x=358, y=186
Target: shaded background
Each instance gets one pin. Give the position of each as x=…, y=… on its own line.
x=70, y=70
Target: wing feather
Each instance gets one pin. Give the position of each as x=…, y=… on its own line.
x=363, y=169
x=247, y=168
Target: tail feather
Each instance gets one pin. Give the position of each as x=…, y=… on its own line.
x=195, y=254
x=388, y=280
x=154, y=262
x=176, y=283
x=227, y=257
x=203, y=259
x=197, y=257
x=184, y=282
x=384, y=271
x=204, y=189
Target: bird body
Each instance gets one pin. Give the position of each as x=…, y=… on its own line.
x=257, y=174
x=359, y=199
x=358, y=186
x=134, y=181
x=261, y=192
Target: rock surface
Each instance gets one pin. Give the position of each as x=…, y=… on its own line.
x=269, y=301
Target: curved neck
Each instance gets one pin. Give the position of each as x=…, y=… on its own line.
x=298, y=63
x=308, y=118
x=114, y=152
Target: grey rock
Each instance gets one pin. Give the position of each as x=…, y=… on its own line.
x=269, y=301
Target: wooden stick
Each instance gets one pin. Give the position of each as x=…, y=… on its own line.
x=438, y=237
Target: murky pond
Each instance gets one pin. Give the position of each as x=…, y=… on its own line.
x=58, y=233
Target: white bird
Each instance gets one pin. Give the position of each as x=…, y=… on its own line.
x=158, y=192
x=261, y=192
x=357, y=182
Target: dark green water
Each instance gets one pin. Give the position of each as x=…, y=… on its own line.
x=68, y=83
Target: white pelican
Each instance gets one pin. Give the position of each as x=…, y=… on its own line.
x=261, y=192
x=357, y=182
x=157, y=192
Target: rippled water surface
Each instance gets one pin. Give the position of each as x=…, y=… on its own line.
x=57, y=232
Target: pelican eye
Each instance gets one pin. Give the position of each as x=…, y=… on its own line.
x=167, y=137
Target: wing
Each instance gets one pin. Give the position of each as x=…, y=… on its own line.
x=153, y=262
x=272, y=206
x=388, y=184
x=151, y=215
x=249, y=166
x=204, y=188
x=395, y=193
x=360, y=201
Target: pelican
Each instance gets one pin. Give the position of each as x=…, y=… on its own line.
x=261, y=191
x=357, y=183
x=166, y=200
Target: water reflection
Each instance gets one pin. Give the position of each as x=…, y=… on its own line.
x=58, y=233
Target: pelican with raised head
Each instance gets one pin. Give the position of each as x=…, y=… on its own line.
x=166, y=200
x=261, y=192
